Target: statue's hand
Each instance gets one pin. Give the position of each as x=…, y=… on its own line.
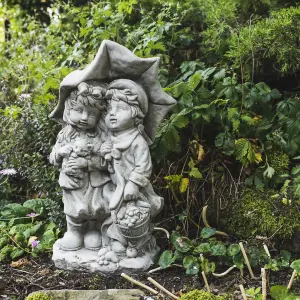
x=131, y=191
x=105, y=148
x=65, y=151
x=78, y=162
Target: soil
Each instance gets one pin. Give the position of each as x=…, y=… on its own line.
x=19, y=279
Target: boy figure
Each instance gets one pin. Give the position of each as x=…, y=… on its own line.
x=126, y=109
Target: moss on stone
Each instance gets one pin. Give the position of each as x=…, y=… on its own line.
x=202, y=295
x=279, y=161
x=258, y=213
x=39, y=296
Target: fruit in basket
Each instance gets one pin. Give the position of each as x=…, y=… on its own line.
x=133, y=216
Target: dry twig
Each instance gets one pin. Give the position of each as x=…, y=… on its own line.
x=162, y=288
x=152, y=291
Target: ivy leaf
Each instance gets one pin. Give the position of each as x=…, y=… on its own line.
x=269, y=172
x=208, y=232
x=166, y=259
x=233, y=250
x=191, y=265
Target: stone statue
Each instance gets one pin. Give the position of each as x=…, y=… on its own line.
x=110, y=112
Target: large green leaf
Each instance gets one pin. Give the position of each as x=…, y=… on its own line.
x=16, y=253
x=14, y=210
x=182, y=244
x=279, y=292
x=296, y=265
x=202, y=248
x=233, y=249
x=166, y=259
x=218, y=250
x=191, y=264
x=37, y=205
x=208, y=232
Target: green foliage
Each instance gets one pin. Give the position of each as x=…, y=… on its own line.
x=27, y=229
x=272, y=39
x=202, y=295
x=279, y=292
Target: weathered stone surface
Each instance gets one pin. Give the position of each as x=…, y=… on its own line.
x=111, y=294
x=87, y=261
x=110, y=112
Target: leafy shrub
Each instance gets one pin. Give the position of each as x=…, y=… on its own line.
x=27, y=228
x=272, y=39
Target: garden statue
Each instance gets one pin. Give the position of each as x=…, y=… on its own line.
x=110, y=112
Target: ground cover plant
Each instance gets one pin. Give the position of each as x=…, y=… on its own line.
x=232, y=142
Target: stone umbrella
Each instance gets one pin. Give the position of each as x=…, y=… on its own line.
x=114, y=61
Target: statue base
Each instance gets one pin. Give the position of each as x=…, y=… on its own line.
x=88, y=261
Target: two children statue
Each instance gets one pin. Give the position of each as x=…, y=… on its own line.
x=110, y=112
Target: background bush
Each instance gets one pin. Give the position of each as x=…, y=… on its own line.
x=232, y=66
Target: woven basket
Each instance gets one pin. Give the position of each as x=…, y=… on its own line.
x=137, y=231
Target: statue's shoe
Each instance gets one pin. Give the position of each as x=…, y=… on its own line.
x=71, y=241
x=92, y=240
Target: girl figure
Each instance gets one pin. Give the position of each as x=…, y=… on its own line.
x=84, y=197
x=127, y=105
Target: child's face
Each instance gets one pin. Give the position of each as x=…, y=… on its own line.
x=83, y=116
x=119, y=116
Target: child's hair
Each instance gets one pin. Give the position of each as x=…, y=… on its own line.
x=86, y=95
